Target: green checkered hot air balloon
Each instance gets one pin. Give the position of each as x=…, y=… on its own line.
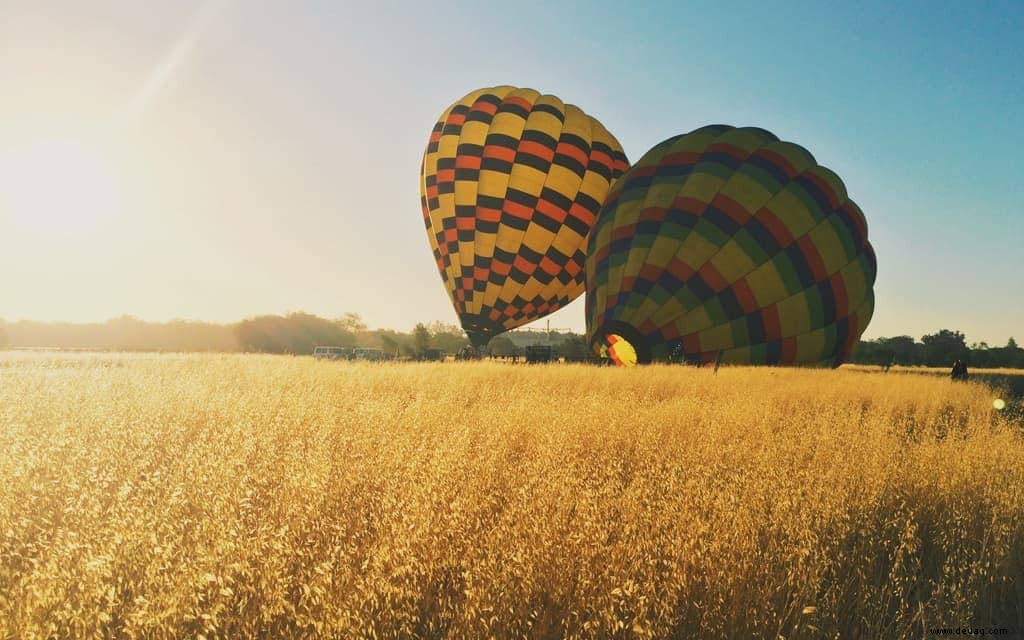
x=727, y=244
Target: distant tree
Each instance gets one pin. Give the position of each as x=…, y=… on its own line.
x=447, y=337
x=943, y=348
x=1011, y=355
x=867, y=352
x=901, y=350
x=390, y=344
x=984, y=356
x=420, y=338
x=391, y=341
x=297, y=333
x=125, y=334
x=574, y=347
x=502, y=346
x=352, y=322
x=904, y=350
x=437, y=327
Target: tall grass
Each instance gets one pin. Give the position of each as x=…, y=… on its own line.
x=247, y=496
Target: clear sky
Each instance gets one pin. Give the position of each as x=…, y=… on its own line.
x=220, y=159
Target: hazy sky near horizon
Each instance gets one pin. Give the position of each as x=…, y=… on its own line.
x=219, y=159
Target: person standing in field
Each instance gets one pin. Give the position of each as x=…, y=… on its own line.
x=959, y=370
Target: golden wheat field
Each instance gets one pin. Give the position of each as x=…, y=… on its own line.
x=164, y=496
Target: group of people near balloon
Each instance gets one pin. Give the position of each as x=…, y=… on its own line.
x=723, y=244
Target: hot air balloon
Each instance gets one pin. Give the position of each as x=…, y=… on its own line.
x=728, y=245
x=510, y=185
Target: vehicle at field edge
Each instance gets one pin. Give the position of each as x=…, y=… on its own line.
x=330, y=353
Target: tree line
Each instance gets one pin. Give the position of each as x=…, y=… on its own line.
x=294, y=333
x=119, y=334
x=299, y=333
x=940, y=349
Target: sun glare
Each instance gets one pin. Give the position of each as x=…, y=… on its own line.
x=57, y=187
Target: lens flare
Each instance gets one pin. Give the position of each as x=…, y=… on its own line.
x=999, y=405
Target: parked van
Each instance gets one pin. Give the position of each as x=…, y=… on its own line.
x=330, y=353
x=374, y=355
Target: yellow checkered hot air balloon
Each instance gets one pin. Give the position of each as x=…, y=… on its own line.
x=510, y=185
x=729, y=245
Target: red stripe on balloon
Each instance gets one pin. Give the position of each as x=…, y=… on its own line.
x=537, y=149
x=731, y=208
x=842, y=297
x=745, y=295
x=499, y=152
x=779, y=161
x=775, y=226
x=623, y=232
x=574, y=152
x=467, y=162
x=519, y=101
x=679, y=269
x=789, y=350
x=548, y=266
x=689, y=205
x=653, y=214
x=771, y=322
x=813, y=257
x=518, y=210
x=713, y=278
x=552, y=210
x=485, y=214
x=485, y=107
x=582, y=214
x=679, y=159
x=833, y=197
x=523, y=265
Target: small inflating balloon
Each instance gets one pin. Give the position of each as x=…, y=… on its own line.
x=619, y=351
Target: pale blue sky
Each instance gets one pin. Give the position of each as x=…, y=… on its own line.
x=267, y=153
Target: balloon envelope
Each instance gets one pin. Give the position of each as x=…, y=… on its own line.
x=729, y=245
x=510, y=185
